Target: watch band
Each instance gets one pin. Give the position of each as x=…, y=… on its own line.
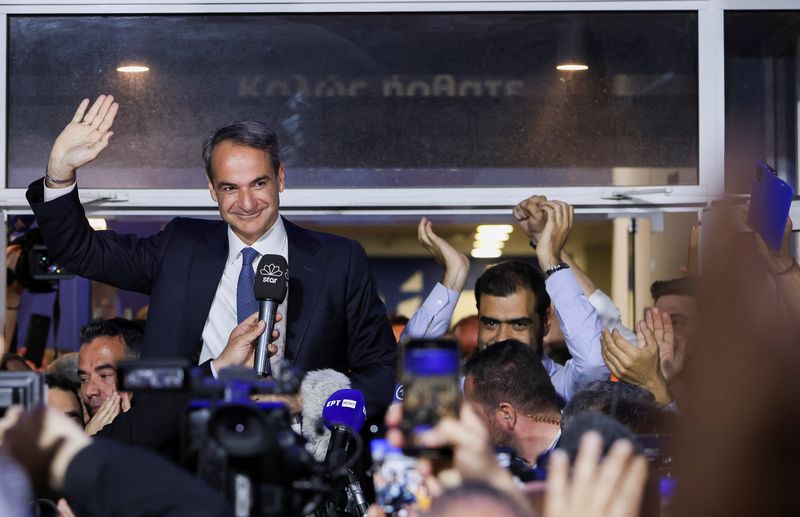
x=552, y=270
x=59, y=182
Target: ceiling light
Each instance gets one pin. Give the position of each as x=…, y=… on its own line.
x=492, y=236
x=97, y=223
x=488, y=244
x=498, y=228
x=573, y=45
x=133, y=69
x=572, y=67
x=486, y=253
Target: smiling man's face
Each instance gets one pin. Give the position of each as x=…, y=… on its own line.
x=246, y=188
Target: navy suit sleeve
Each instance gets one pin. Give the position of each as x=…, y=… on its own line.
x=372, y=350
x=124, y=261
x=107, y=478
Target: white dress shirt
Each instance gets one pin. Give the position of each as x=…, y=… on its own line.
x=222, y=316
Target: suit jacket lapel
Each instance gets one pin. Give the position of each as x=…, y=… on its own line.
x=207, y=264
x=305, y=272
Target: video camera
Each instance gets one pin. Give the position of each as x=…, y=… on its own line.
x=244, y=449
x=36, y=270
x=26, y=389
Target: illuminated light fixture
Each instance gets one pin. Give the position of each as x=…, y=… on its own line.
x=97, y=223
x=491, y=237
x=572, y=45
x=488, y=244
x=133, y=69
x=572, y=67
x=494, y=228
x=486, y=253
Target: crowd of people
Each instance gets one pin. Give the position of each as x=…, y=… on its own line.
x=565, y=411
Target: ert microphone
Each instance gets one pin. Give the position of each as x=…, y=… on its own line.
x=272, y=279
x=344, y=414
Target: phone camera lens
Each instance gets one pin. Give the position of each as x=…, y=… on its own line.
x=759, y=175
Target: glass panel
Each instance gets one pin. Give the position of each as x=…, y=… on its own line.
x=761, y=84
x=370, y=100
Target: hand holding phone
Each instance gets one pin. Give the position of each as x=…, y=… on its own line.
x=432, y=391
x=770, y=201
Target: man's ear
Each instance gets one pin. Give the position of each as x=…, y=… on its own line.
x=281, y=178
x=508, y=415
x=212, y=190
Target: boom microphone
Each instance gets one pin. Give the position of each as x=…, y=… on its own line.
x=272, y=277
x=315, y=389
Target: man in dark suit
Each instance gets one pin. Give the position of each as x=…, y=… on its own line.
x=193, y=268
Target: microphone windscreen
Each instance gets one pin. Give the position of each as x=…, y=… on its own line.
x=345, y=407
x=272, y=278
x=315, y=389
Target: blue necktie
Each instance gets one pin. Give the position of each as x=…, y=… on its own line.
x=245, y=297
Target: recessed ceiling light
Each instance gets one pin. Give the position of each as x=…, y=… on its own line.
x=572, y=67
x=486, y=253
x=499, y=228
x=133, y=69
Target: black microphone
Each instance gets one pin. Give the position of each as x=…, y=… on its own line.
x=272, y=279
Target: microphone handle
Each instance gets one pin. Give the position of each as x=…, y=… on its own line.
x=356, y=494
x=266, y=312
x=337, y=446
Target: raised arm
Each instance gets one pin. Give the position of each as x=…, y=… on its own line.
x=576, y=316
x=432, y=319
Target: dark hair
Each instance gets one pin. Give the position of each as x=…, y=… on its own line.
x=12, y=358
x=676, y=286
x=632, y=406
x=510, y=276
x=511, y=371
x=249, y=133
x=454, y=500
x=132, y=334
x=62, y=383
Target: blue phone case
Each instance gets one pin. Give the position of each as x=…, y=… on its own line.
x=770, y=201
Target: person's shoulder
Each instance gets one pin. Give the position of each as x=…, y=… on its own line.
x=325, y=240
x=191, y=228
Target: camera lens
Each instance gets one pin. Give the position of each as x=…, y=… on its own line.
x=241, y=430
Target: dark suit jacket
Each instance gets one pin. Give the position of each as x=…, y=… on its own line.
x=334, y=316
x=106, y=478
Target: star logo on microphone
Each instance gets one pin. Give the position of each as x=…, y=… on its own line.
x=271, y=270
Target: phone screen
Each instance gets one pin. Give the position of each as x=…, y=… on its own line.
x=431, y=379
x=398, y=485
x=770, y=202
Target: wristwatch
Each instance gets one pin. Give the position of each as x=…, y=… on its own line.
x=552, y=270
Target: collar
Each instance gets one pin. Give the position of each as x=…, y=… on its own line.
x=271, y=241
x=553, y=443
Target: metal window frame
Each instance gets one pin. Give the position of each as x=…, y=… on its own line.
x=606, y=199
